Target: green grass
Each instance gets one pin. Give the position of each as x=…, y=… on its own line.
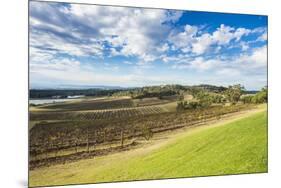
x=232, y=148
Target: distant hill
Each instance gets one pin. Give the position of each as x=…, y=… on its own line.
x=79, y=87
x=211, y=88
x=63, y=91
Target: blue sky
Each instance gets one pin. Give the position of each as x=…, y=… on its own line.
x=101, y=45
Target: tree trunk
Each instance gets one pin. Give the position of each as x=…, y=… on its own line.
x=88, y=148
x=104, y=135
x=122, y=138
x=76, y=146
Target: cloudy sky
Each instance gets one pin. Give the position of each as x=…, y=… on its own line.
x=72, y=44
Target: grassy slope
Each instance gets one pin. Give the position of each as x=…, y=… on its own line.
x=238, y=147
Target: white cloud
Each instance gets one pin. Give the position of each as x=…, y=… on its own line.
x=167, y=59
x=228, y=72
x=131, y=27
x=144, y=34
x=240, y=32
x=244, y=46
x=198, y=64
x=256, y=59
x=51, y=42
x=263, y=37
x=224, y=34
x=192, y=39
x=165, y=47
x=253, y=62
x=128, y=62
x=202, y=44
x=82, y=30
x=201, y=64
x=184, y=39
x=55, y=64
x=69, y=71
x=138, y=32
x=248, y=68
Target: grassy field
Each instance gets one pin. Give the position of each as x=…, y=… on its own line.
x=231, y=148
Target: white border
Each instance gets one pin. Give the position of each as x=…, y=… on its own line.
x=14, y=91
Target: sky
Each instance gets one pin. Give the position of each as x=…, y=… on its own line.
x=78, y=44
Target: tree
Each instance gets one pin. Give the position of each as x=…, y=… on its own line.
x=261, y=96
x=205, y=99
x=122, y=138
x=180, y=106
x=194, y=91
x=217, y=98
x=247, y=99
x=233, y=93
x=181, y=97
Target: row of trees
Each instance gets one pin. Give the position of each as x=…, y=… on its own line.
x=166, y=90
x=260, y=97
x=203, y=100
x=233, y=94
x=151, y=91
x=64, y=93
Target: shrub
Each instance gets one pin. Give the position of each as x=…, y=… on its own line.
x=184, y=105
x=260, y=97
x=247, y=99
x=233, y=93
x=194, y=105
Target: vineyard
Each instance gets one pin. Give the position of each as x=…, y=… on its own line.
x=91, y=105
x=77, y=135
x=97, y=114
x=154, y=101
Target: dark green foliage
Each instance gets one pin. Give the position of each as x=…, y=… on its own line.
x=193, y=105
x=184, y=105
x=211, y=88
x=207, y=88
x=260, y=97
x=233, y=93
x=218, y=99
x=247, y=99
x=167, y=90
x=203, y=98
x=64, y=93
x=151, y=91
x=195, y=91
x=137, y=93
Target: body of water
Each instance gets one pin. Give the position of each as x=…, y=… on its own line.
x=50, y=101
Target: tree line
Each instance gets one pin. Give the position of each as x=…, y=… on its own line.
x=233, y=94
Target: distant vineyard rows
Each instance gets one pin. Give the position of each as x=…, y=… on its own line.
x=97, y=114
x=91, y=105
